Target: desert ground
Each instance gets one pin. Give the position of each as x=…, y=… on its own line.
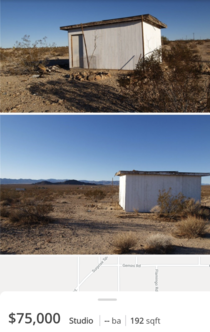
x=81, y=224
x=63, y=90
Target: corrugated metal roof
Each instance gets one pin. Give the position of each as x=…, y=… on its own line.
x=146, y=18
x=120, y=173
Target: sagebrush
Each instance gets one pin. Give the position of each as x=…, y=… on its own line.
x=191, y=227
x=177, y=205
x=123, y=243
x=159, y=244
x=168, y=80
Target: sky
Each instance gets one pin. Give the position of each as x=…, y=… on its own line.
x=40, y=18
x=95, y=147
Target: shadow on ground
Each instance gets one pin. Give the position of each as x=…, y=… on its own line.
x=83, y=96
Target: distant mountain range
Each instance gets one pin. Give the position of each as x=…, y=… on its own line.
x=80, y=183
x=55, y=181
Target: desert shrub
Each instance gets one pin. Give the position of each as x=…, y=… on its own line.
x=191, y=227
x=60, y=51
x=164, y=40
x=173, y=85
x=124, y=242
x=95, y=194
x=9, y=197
x=4, y=212
x=176, y=206
x=159, y=244
x=27, y=56
x=31, y=212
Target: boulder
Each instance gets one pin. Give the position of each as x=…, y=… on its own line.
x=91, y=77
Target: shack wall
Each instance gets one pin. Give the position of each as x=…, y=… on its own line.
x=141, y=191
x=152, y=38
x=114, y=46
x=122, y=190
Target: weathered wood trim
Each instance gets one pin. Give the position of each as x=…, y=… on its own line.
x=147, y=18
x=142, y=28
x=72, y=51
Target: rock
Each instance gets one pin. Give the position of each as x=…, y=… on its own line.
x=28, y=86
x=78, y=77
x=91, y=78
x=42, y=68
x=84, y=73
x=60, y=101
x=66, y=76
x=98, y=77
x=35, y=76
x=46, y=102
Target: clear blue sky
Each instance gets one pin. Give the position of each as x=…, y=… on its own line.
x=43, y=18
x=95, y=147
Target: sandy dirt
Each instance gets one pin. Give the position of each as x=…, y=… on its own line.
x=84, y=226
x=56, y=93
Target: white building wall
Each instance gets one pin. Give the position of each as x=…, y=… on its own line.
x=141, y=191
x=152, y=38
x=122, y=190
x=114, y=46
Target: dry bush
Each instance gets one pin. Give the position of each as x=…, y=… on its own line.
x=60, y=51
x=177, y=206
x=136, y=211
x=191, y=227
x=164, y=40
x=31, y=212
x=124, y=242
x=26, y=57
x=159, y=244
x=4, y=212
x=95, y=194
x=8, y=197
x=171, y=86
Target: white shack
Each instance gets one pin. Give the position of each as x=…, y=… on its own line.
x=113, y=44
x=139, y=190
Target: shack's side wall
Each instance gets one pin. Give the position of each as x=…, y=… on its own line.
x=114, y=46
x=152, y=38
x=122, y=189
x=142, y=190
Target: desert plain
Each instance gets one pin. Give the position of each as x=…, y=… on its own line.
x=83, y=224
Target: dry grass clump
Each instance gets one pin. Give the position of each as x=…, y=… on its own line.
x=95, y=194
x=191, y=227
x=8, y=197
x=124, y=242
x=31, y=212
x=158, y=244
x=4, y=212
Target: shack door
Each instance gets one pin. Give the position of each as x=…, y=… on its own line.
x=77, y=51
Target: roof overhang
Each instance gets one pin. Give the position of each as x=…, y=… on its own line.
x=121, y=173
x=146, y=18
